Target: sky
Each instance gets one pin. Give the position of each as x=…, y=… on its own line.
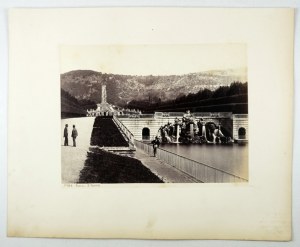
x=153, y=59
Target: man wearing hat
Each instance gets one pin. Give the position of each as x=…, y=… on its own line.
x=66, y=135
x=74, y=135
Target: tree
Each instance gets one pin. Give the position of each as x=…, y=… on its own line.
x=235, y=88
x=205, y=94
x=220, y=92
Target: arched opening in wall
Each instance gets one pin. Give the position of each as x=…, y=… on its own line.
x=242, y=133
x=146, y=134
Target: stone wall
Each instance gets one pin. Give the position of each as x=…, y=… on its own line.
x=136, y=125
x=240, y=121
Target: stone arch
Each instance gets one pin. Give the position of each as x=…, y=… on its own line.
x=242, y=133
x=146, y=133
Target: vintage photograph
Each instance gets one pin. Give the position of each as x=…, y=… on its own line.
x=148, y=123
x=154, y=114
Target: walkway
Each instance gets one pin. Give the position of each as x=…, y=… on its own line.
x=163, y=170
x=72, y=162
x=73, y=158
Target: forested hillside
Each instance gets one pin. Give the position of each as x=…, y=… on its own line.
x=233, y=98
x=71, y=107
x=121, y=89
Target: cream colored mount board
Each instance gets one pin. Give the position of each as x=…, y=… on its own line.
x=39, y=205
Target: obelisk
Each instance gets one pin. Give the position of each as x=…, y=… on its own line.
x=103, y=95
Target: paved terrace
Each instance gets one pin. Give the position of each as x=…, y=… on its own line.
x=73, y=158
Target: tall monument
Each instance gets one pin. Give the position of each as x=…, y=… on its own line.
x=103, y=94
x=104, y=108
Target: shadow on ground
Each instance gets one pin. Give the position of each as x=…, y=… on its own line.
x=105, y=167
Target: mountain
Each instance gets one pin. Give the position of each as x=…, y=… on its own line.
x=121, y=89
x=70, y=106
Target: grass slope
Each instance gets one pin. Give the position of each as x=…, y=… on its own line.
x=105, y=167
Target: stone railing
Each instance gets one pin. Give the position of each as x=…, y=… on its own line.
x=126, y=132
x=181, y=114
x=240, y=115
x=200, y=171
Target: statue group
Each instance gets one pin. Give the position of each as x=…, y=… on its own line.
x=189, y=130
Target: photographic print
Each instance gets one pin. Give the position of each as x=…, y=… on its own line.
x=147, y=123
x=154, y=113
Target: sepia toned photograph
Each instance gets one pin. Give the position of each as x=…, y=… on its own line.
x=150, y=125
x=154, y=114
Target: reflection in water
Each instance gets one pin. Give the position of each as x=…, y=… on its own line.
x=229, y=158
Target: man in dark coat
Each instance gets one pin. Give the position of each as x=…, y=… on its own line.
x=66, y=136
x=74, y=135
x=155, y=144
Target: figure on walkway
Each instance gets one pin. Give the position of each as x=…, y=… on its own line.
x=74, y=135
x=66, y=136
x=155, y=144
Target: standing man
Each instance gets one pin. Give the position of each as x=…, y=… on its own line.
x=66, y=135
x=155, y=144
x=74, y=135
